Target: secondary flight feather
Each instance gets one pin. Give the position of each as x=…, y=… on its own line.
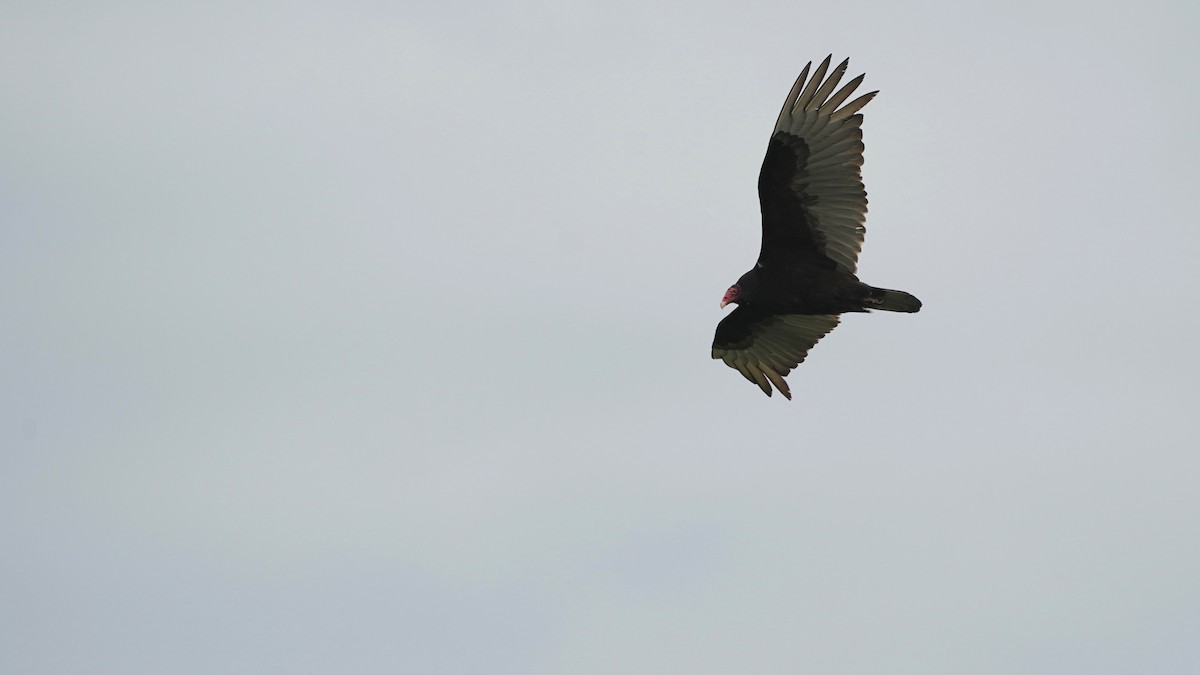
x=814, y=209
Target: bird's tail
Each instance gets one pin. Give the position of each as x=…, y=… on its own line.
x=892, y=301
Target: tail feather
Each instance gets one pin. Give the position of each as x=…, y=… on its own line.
x=892, y=301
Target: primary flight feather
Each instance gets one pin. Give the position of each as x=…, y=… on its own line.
x=813, y=209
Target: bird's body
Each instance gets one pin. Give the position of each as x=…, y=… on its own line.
x=804, y=290
x=813, y=210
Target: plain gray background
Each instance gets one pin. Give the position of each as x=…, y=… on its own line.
x=372, y=338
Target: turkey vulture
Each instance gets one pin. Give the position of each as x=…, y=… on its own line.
x=813, y=208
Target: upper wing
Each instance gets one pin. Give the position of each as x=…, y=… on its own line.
x=810, y=187
x=765, y=347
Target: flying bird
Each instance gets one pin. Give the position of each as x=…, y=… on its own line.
x=813, y=207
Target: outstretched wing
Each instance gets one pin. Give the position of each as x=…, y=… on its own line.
x=810, y=187
x=765, y=347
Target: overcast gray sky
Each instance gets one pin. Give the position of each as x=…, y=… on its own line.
x=373, y=337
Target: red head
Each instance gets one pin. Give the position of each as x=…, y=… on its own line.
x=731, y=295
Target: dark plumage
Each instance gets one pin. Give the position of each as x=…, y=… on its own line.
x=813, y=208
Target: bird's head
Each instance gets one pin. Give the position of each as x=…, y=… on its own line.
x=742, y=291
x=731, y=295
